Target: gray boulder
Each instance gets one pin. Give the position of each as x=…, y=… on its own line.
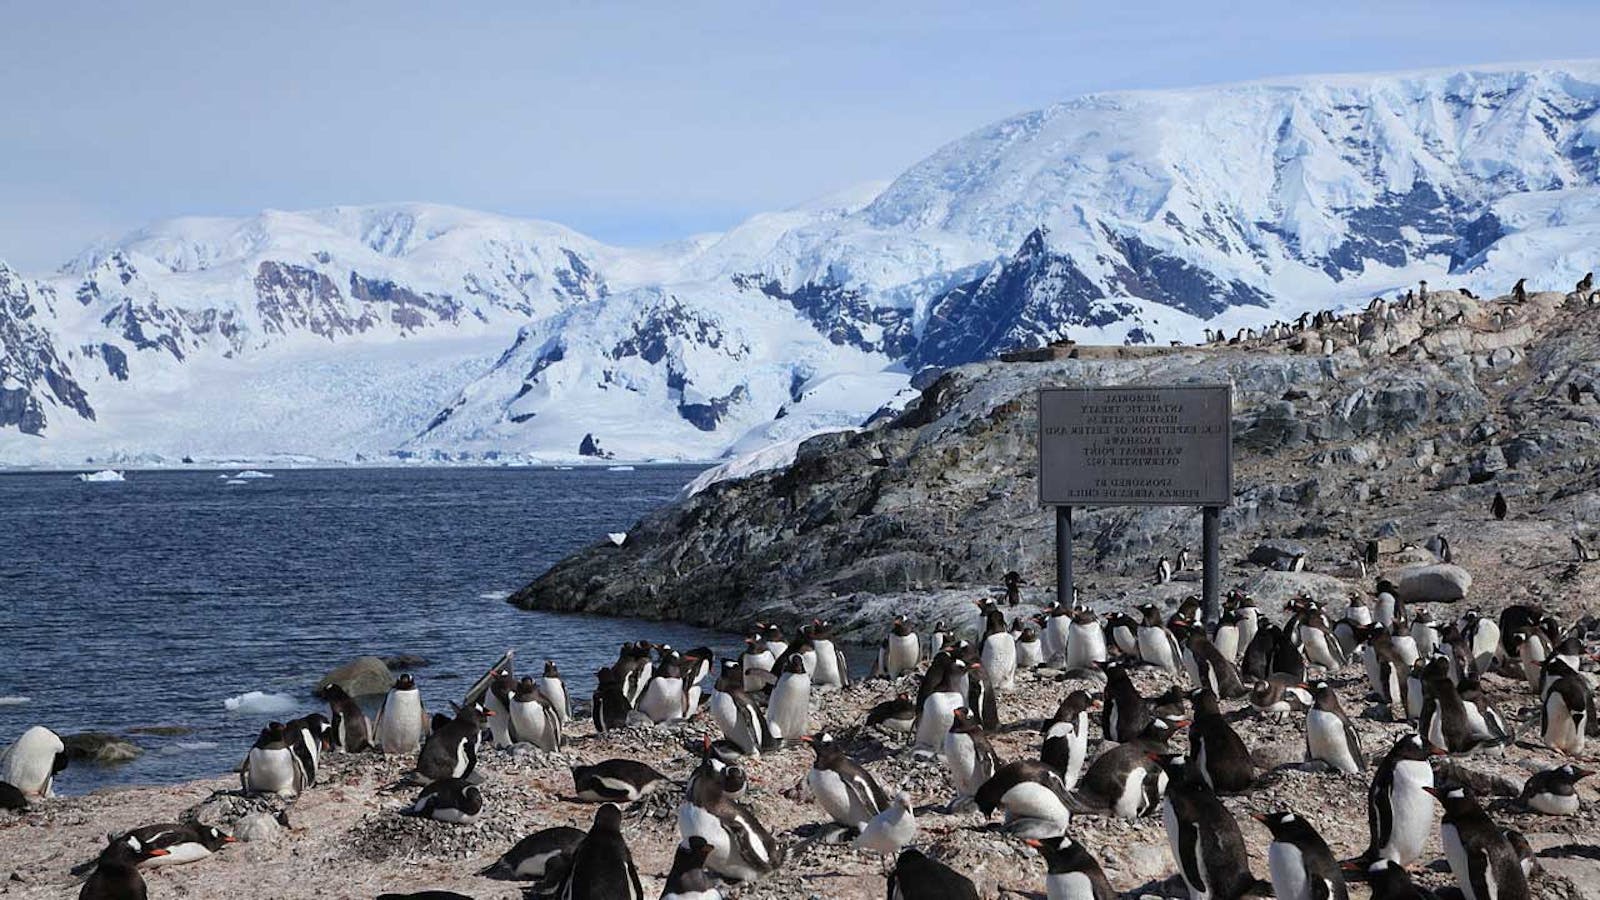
x=1272, y=589
x=362, y=676
x=100, y=748
x=1437, y=583
x=258, y=827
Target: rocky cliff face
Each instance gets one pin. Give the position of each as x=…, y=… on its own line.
x=1406, y=429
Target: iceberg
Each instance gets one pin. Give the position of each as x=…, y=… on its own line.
x=104, y=475
x=252, y=473
x=619, y=468
x=261, y=703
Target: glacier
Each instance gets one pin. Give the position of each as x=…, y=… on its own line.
x=421, y=332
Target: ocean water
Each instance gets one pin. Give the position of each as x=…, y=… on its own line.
x=178, y=599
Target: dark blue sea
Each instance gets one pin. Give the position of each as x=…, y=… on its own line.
x=156, y=601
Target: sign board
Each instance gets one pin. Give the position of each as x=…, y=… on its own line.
x=1131, y=445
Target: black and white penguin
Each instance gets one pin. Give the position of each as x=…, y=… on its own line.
x=553, y=688
x=1205, y=839
x=534, y=719
x=1218, y=757
x=1302, y=865
x=1207, y=666
x=970, y=756
x=1030, y=653
x=609, y=706
x=1279, y=696
x=1399, y=807
x=1129, y=780
x=602, y=866
x=184, y=843
x=1514, y=621
x=1033, y=797
x=1483, y=640
x=898, y=714
x=937, y=639
x=1085, y=640
x=743, y=848
x=741, y=719
x=1566, y=706
x=1248, y=613
x=1287, y=657
x=1330, y=737
x=1012, y=582
x=998, y=652
x=1483, y=861
x=1226, y=636
x=1390, y=881
x=1163, y=570
x=831, y=669
x=666, y=697
x=1498, y=506
x=844, y=789
x=352, y=730
x=544, y=856
x=1385, y=666
x=1425, y=632
x=116, y=873
x=452, y=750
x=454, y=800
x=1445, y=721
x=1124, y=632
x=402, y=722
x=1157, y=646
x=633, y=669
x=1259, y=653
x=938, y=710
x=1532, y=645
x=757, y=660
x=689, y=878
x=1554, y=791
x=789, y=707
x=497, y=700
x=271, y=766
x=901, y=650
x=919, y=877
x=1481, y=712
x=31, y=764
x=1066, y=737
x=1318, y=643
x=616, y=781
x=982, y=697
x=1073, y=872
x=1125, y=714
x=308, y=736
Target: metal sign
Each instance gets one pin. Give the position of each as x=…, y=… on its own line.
x=1132, y=445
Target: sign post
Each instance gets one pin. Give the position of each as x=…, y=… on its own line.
x=1168, y=445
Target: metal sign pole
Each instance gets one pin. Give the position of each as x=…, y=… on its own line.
x=1211, y=536
x=1064, y=555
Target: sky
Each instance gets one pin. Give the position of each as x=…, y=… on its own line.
x=632, y=122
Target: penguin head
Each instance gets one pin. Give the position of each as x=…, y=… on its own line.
x=1076, y=702
x=962, y=721
x=1286, y=826
x=1573, y=774
x=696, y=850
x=526, y=690
x=1413, y=747
x=550, y=670
x=1453, y=797
x=796, y=665
x=607, y=819
x=405, y=682
x=214, y=838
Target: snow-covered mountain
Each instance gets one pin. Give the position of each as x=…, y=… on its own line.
x=1145, y=216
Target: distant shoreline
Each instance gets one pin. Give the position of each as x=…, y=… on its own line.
x=336, y=465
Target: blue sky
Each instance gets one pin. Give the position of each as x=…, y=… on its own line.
x=634, y=122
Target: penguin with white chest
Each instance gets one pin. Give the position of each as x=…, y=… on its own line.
x=453, y=800
x=31, y=764
x=831, y=670
x=1125, y=714
x=1072, y=871
x=308, y=736
x=534, y=719
x=543, y=856
x=844, y=789
x=1033, y=797
x=402, y=721
x=998, y=652
x=742, y=722
x=901, y=650
x=1085, y=641
x=1128, y=780
x=666, y=697
x=1482, y=859
x=689, y=878
x=938, y=710
x=1566, y=707
x=1204, y=839
x=1066, y=737
x=743, y=848
x=1330, y=738
x=789, y=707
x=1302, y=866
x=1399, y=807
x=497, y=700
x=1156, y=644
x=272, y=767
x=757, y=660
x=184, y=843
x=969, y=755
x=1554, y=791
x=553, y=688
x=451, y=751
x=616, y=781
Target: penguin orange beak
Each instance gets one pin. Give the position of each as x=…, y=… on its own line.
x=489, y=712
x=1033, y=843
x=157, y=851
x=229, y=839
x=806, y=738
x=1437, y=752
x=1262, y=817
x=1350, y=865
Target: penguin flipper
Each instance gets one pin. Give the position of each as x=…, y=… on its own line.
x=1189, y=838
x=1354, y=741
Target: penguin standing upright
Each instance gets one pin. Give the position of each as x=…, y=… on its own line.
x=1554, y=791
x=901, y=649
x=533, y=718
x=998, y=653
x=1302, y=865
x=1207, y=666
x=1205, y=840
x=831, y=670
x=609, y=705
x=981, y=698
x=742, y=722
x=1030, y=654
x=1085, y=640
x=1319, y=644
x=1249, y=616
x=1329, y=734
x=497, y=700
x=938, y=711
x=743, y=848
x=969, y=755
x=936, y=640
x=1259, y=653
x=1425, y=632
x=789, y=707
x=1123, y=631
x=1386, y=667
x=31, y=764
x=1066, y=738
x=116, y=873
x=553, y=688
x=633, y=669
x=666, y=697
x=845, y=790
x=452, y=750
x=352, y=730
x=271, y=766
x=1072, y=872
x=1125, y=714
x=689, y=878
x=308, y=736
x=1444, y=721
x=1483, y=640
x=1498, y=507
x=1218, y=757
x=1483, y=861
x=402, y=721
x=757, y=660
x=1566, y=707
x=602, y=866
x=1399, y=807
x=1226, y=637
x=917, y=877
x=1157, y=646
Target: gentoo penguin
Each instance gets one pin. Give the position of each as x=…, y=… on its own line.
x=1030, y=654
x=609, y=705
x=116, y=873
x=1483, y=640
x=981, y=698
x=1399, y=808
x=534, y=719
x=969, y=755
x=742, y=722
x=1554, y=791
x=497, y=700
x=12, y=799
x=1033, y=796
x=452, y=750
x=1226, y=637
x=898, y=715
x=1013, y=585
x=1532, y=647
x=1053, y=623
x=1287, y=656
x=553, y=688
x=1482, y=713
x=1446, y=721
x=1085, y=641
x=1330, y=737
x=689, y=878
x=1163, y=570
x=757, y=660
x=1385, y=666
x=1249, y=615
x=831, y=670
x=1278, y=696
x=1073, y=873
x=666, y=697
x=402, y=721
x=633, y=669
x=776, y=642
x=1205, y=839
x=938, y=710
x=1390, y=881
x=1066, y=738
x=602, y=866
x=744, y=849
x=1318, y=642
x=454, y=800
x=308, y=736
x=183, y=843
x=30, y=765
x=1259, y=653
x=1124, y=632
x=352, y=730
x=901, y=650
x=1218, y=757
x=789, y=708
x=891, y=829
x=1207, y=666
x=918, y=877
x=845, y=790
x=1157, y=646
x=1128, y=780
x=936, y=640
x=1302, y=865
x=271, y=766
x=1484, y=863
x=998, y=653
x=1386, y=607
x=1125, y=714
x=1497, y=506
x=1426, y=633
x=543, y=856
x=1519, y=291
x=1566, y=707
x=616, y=781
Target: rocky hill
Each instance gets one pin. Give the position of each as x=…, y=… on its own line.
x=1396, y=425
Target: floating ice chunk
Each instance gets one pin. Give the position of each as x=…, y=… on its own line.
x=252, y=473
x=617, y=537
x=619, y=468
x=14, y=700
x=494, y=595
x=261, y=703
x=236, y=481
x=104, y=475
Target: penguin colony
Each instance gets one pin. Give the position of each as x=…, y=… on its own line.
x=1106, y=753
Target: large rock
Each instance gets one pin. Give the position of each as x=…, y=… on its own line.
x=100, y=748
x=1271, y=589
x=1278, y=554
x=362, y=676
x=1438, y=583
x=258, y=827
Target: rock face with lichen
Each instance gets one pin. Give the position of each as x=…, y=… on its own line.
x=1387, y=435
